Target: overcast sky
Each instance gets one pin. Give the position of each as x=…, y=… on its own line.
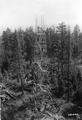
x=23, y=13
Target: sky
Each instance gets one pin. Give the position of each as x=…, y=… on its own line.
x=23, y=13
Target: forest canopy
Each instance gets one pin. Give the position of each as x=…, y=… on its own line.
x=40, y=70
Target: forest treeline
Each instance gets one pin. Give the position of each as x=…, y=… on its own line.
x=57, y=75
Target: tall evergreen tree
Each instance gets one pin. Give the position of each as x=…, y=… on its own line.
x=76, y=33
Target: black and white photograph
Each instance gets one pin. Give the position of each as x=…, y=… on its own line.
x=40, y=60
